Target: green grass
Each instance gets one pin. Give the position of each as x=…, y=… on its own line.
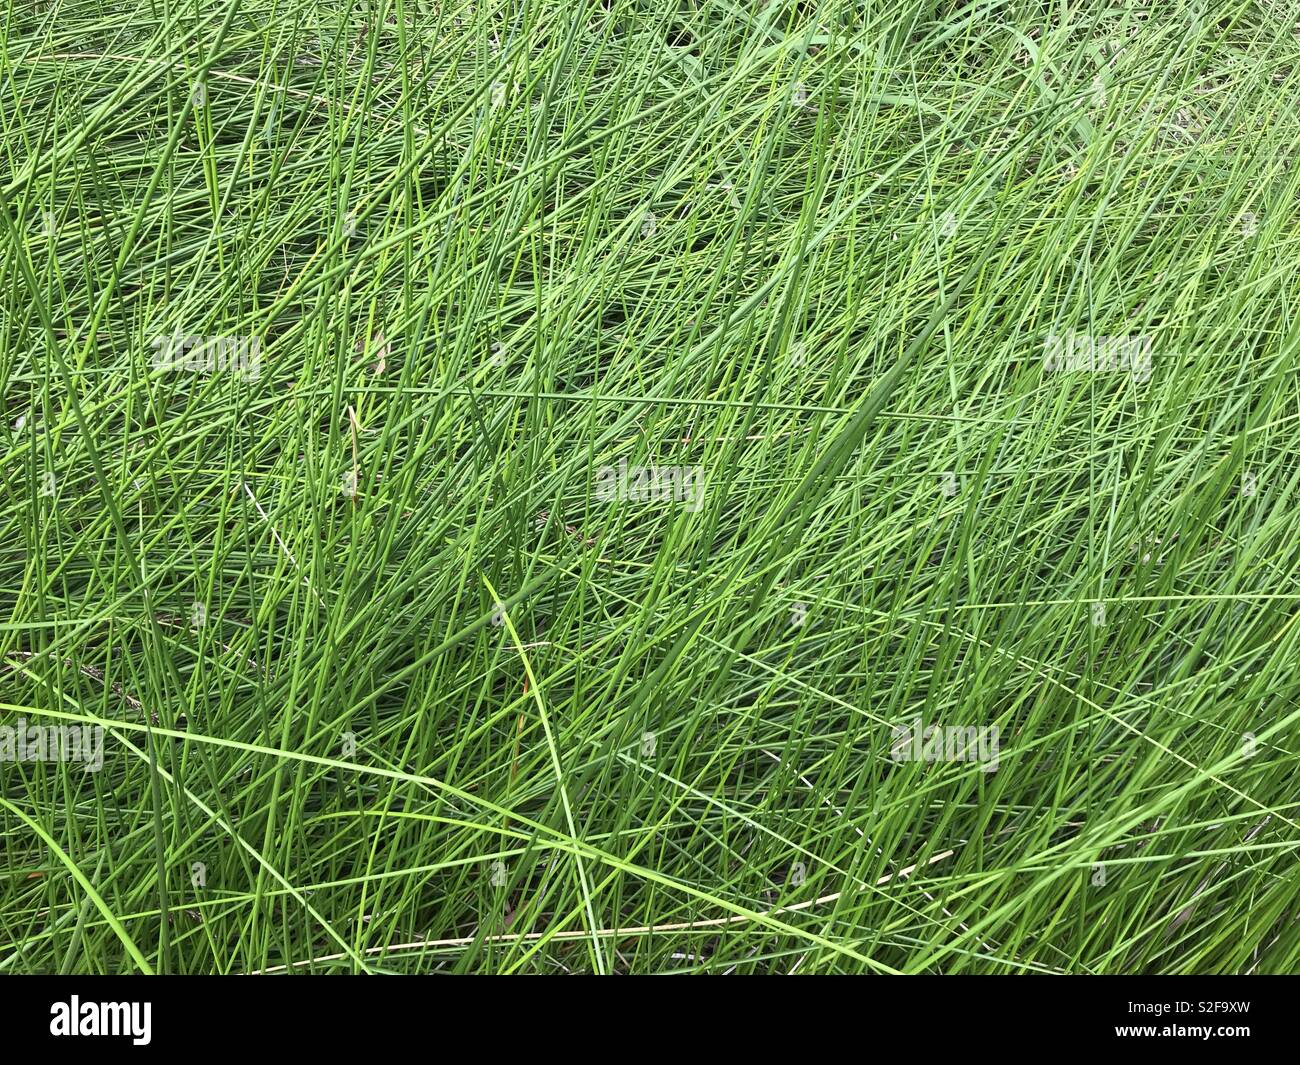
x=477, y=718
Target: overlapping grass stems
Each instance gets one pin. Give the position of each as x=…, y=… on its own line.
x=813, y=250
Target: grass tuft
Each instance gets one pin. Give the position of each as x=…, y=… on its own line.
x=634, y=487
